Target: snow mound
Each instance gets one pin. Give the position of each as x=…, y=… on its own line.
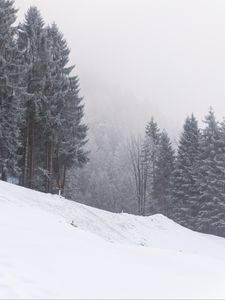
x=101, y=255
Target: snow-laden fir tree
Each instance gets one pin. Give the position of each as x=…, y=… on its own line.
x=56, y=88
x=10, y=112
x=54, y=134
x=71, y=135
x=33, y=42
x=184, y=186
x=62, y=115
x=164, y=169
x=149, y=158
x=211, y=217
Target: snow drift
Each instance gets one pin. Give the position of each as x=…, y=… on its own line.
x=101, y=255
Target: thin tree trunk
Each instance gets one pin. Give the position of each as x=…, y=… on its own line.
x=51, y=168
x=26, y=157
x=4, y=175
x=64, y=180
x=59, y=184
x=29, y=156
x=47, y=168
x=32, y=158
x=25, y=175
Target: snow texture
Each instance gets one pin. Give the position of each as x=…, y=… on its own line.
x=55, y=248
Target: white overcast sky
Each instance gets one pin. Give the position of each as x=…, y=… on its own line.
x=168, y=54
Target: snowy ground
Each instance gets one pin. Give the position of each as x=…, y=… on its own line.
x=106, y=256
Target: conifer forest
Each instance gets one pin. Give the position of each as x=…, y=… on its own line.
x=47, y=144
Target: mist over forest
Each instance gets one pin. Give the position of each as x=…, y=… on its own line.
x=144, y=57
x=121, y=115
x=112, y=149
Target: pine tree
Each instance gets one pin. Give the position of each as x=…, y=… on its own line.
x=52, y=105
x=10, y=113
x=65, y=134
x=211, y=218
x=149, y=158
x=32, y=41
x=184, y=189
x=71, y=136
x=164, y=169
x=53, y=135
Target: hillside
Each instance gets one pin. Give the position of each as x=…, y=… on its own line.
x=103, y=255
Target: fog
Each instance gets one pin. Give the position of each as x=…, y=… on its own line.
x=138, y=58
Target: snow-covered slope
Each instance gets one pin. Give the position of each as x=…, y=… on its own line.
x=103, y=255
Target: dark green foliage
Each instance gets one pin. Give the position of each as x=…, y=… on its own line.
x=71, y=135
x=211, y=217
x=43, y=137
x=164, y=169
x=149, y=159
x=157, y=163
x=10, y=111
x=185, y=189
x=41, y=128
x=198, y=182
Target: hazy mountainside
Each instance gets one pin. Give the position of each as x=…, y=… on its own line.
x=121, y=110
x=48, y=250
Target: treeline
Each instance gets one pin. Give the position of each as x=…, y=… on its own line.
x=149, y=175
x=189, y=187
x=42, y=134
x=152, y=163
x=42, y=138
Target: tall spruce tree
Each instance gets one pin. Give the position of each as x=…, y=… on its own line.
x=10, y=113
x=55, y=91
x=71, y=136
x=66, y=134
x=164, y=169
x=211, y=217
x=149, y=158
x=54, y=134
x=33, y=41
x=184, y=187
